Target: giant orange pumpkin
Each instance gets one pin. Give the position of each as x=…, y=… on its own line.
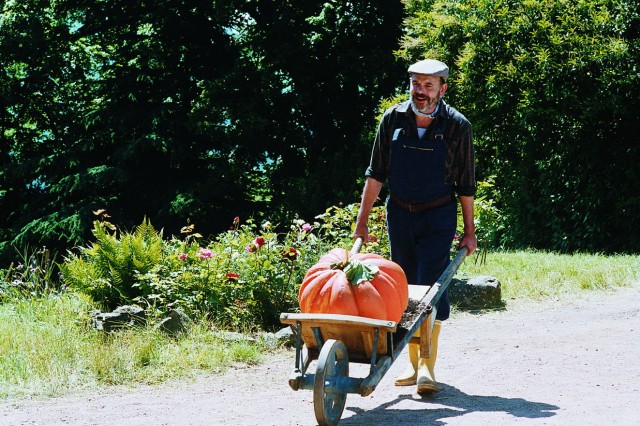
x=362, y=284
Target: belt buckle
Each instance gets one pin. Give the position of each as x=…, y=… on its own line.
x=411, y=208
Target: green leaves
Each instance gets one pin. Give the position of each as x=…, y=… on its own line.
x=544, y=84
x=358, y=272
x=171, y=110
x=108, y=269
x=243, y=277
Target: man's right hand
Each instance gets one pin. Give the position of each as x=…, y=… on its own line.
x=361, y=231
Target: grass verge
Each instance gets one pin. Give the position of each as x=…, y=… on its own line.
x=540, y=275
x=48, y=349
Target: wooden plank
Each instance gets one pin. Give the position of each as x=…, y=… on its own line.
x=357, y=333
x=351, y=321
x=417, y=292
x=425, y=337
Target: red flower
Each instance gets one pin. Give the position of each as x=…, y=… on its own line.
x=232, y=276
x=291, y=253
x=255, y=245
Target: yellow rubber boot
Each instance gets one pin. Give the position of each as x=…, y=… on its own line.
x=426, y=376
x=408, y=378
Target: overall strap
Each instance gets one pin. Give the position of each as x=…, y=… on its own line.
x=400, y=124
x=439, y=132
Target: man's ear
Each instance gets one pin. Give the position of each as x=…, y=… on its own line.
x=443, y=89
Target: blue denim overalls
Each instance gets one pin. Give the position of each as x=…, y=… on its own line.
x=420, y=242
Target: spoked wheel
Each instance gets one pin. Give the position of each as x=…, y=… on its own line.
x=328, y=399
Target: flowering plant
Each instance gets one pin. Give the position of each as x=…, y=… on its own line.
x=244, y=277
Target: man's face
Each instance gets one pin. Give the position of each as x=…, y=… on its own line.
x=426, y=90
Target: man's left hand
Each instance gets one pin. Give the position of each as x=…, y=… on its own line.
x=470, y=242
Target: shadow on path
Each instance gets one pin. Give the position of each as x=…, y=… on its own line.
x=448, y=402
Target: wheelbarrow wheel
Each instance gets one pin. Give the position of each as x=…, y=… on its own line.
x=328, y=398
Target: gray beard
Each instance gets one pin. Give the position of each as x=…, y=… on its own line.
x=419, y=113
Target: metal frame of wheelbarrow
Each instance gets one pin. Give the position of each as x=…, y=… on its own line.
x=336, y=340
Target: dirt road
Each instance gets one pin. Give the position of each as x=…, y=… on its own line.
x=566, y=362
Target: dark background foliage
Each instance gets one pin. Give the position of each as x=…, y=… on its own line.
x=197, y=112
x=183, y=111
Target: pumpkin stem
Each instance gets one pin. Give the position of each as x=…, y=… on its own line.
x=358, y=272
x=355, y=270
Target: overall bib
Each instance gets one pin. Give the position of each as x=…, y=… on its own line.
x=420, y=241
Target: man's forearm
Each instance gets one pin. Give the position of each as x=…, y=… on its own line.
x=466, y=202
x=469, y=238
x=370, y=194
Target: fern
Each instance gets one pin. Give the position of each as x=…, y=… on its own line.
x=107, y=269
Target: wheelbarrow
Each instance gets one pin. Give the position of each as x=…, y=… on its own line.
x=336, y=340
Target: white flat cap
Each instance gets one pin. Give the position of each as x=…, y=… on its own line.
x=430, y=67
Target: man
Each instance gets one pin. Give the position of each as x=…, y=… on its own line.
x=424, y=149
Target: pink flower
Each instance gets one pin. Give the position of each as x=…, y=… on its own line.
x=306, y=227
x=255, y=245
x=205, y=254
x=182, y=256
x=373, y=238
x=236, y=220
x=232, y=276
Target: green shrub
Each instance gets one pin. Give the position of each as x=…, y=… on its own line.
x=246, y=276
x=551, y=90
x=242, y=279
x=107, y=270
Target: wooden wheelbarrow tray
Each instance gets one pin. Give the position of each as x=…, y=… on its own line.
x=336, y=340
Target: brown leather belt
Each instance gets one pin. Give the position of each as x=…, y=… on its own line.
x=420, y=207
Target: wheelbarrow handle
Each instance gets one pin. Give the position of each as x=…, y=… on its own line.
x=357, y=245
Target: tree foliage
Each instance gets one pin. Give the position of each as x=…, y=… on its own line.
x=551, y=89
x=202, y=111
x=322, y=68
x=182, y=111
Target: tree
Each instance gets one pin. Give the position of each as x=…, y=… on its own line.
x=550, y=87
x=40, y=100
x=182, y=111
x=319, y=69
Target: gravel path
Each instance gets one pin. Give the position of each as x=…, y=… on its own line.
x=574, y=361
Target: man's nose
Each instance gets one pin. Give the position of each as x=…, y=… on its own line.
x=419, y=89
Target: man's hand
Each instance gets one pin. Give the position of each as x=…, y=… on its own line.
x=361, y=231
x=470, y=242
